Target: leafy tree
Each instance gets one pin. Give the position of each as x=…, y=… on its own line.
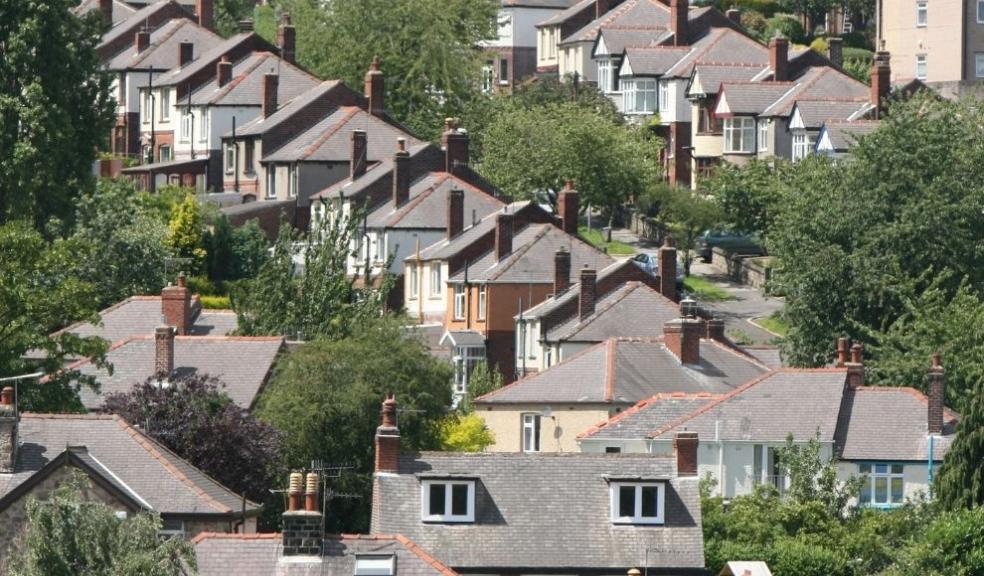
x=788, y=26
x=687, y=214
x=55, y=108
x=465, y=433
x=68, y=535
x=186, y=231
x=235, y=253
x=228, y=13
x=325, y=396
x=952, y=545
x=749, y=196
x=960, y=483
x=481, y=381
x=814, y=479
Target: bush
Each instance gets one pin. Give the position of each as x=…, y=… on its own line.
x=465, y=433
x=755, y=23
x=819, y=45
x=787, y=26
x=202, y=286
x=215, y=302
x=862, y=54
x=856, y=40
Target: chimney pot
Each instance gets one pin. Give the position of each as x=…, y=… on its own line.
x=855, y=368
x=360, y=150
x=680, y=21
x=141, y=40
x=456, y=212
x=667, y=264
x=163, y=352
x=734, y=14
x=186, y=53
x=388, y=438
x=311, y=492
x=685, y=446
x=205, y=11
x=715, y=331
x=302, y=534
x=294, y=491
x=568, y=206
x=287, y=38
x=937, y=392
x=779, y=58
x=682, y=337
x=374, y=88
x=401, y=173
x=842, y=346
x=503, y=235
x=588, y=293
x=835, y=51
x=270, y=87
x=562, y=271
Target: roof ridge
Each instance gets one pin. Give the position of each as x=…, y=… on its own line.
x=514, y=255
x=202, y=536
x=644, y=403
x=627, y=288
x=401, y=212
x=350, y=111
x=66, y=416
x=261, y=58
x=172, y=26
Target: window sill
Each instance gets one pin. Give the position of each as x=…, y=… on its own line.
x=740, y=153
x=637, y=522
x=699, y=133
x=445, y=520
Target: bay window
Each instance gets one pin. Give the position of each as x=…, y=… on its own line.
x=802, y=145
x=664, y=95
x=607, y=75
x=639, y=95
x=165, y=105
x=459, y=301
x=739, y=135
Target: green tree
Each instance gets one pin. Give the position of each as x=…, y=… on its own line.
x=186, y=232
x=813, y=478
x=55, y=108
x=951, y=545
x=481, y=381
x=235, y=253
x=465, y=433
x=960, y=483
x=68, y=535
x=749, y=196
x=228, y=13
x=325, y=396
x=687, y=214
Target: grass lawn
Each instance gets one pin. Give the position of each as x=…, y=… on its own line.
x=705, y=290
x=597, y=238
x=773, y=323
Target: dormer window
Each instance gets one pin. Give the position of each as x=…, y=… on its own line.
x=637, y=502
x=375, y=565
x=447, y=501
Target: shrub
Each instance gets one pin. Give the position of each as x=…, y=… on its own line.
x=202, y=286
x=856, y=40
x=215, y=302
x=819, y=45
x=787, y=26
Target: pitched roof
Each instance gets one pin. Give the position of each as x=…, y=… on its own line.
x=652, y=61
x=568, y=13
x=568, y=528
x=241, y=363
x=814, y=112
x=162, y=54
x=633, y=310
x=721, y=46
x=651, y=15
x=141, y=315
x=447, y=248
x=844, y=134
x=709, y=77
x=558, y=300
x=121, y=10
x=766, y=354
x=246, y=86
x=820, y=83
x=136, y=19
x=627, y=370
x=330, y=139
x=749, y=97
x=558, y=4
x=618, y=39
x=374, y=173
x=288, y=109
x=648, y=415
x=151, y=473
x=206, y=60
x=427, y=206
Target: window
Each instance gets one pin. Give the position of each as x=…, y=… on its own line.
x=271, y=190
x=922, y=13
x=706, y=121
x=459, y=301
x=763, y=139
x=292, y=182
x=639, y=96
x=447, y=501
x=481, y=302
x=802, y=145
x=739, y=135
x=884, y=484
x=921, y=66
x=979, y=64
x=465, y=359
x=164, y=152
x=414, y=282
x=172, y=528
x=488, y=73
x=549, y=357
x=436, y=287
x=230, y=158
x=186, y=125
x=664, y=96
x=375, y=565
x=531, y=432
x=552, y=42
x=607, y=75
x=203, y=125
x=766, y=468
x=148, y=106
x=980, y=11
x=613, y=450
x=503, y=71
x=165, y=105
x=637, y=502
x=248, y=167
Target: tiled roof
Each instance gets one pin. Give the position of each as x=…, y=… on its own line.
x=141, y=315
x=618, y=39
x=721, y=46
x=766, y=354
x=288, y=109
x=128, y=26
x=374, y=173
x=447, y=248
x=548, y=513
x=538, y=3
x=162, y=54
x=654, y=61
x=261, y=555
x=844, y=134
x=564, y=15
x=330, y=139
x=532, y=258
x=153, y=473
x=627, y=370
x=246, y=86
x=206, y=60
x=427, y=207
x=241, y=363
x=121, y=10
x=711, y=76
x=820, y=83
x=550, y=304
x=648, y=14
x=648, y=415
x=815, y=112
x=634, y=310
x=752, y=97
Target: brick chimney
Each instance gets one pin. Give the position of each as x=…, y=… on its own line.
x=456, y=212
x=163, y=352
x=176, y=306
x=8, y=431
x=881, y=82
x=587, y=293
x=271, y=83
x=667, y=263
x=401, y=173
x=186, y=53
x=562, y=270
x=855, y=368
x=715, y=331
x=388, y=438
x=106, y=10
x=734, y=14
x=567, y=207
x=360, y=150
x=682, y=337
x=246, y=25
x=503, y=235
x=223, y=71
x=685, y=447
x=455, y=144
x=374, y=88
x=843, y=347
x=302, y=534
x=937, y=391
x=287, y=38
x=680, y=21
x=205, y=11
x=602, y=7
x=779, y=58
x=141, y=40
x=835, y=50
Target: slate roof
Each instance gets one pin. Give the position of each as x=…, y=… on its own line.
x=648, y=415
x=652, y=15
x=162, y=54
x=246, y=86
x=287, y=110
x=544, y=512
x=447, y=248
x=618, y=39
x=156, y=475
x=765, y=354
x=564, y=15
x=242, y=363
x=632, y=310
x=820, y=83
x=126, y=26
x=427, y=207
x=653, y=61
x=532, y=257
x=330, y=139
x=627, y=370
x=260, y=555
x=711, y=76
x=121, y=10
x=206, y=60
x=751, y=97
x=558, y=300
x=721, y=46
x=374, y=172
x=141, y=315
x=843, y=134
x=815, y=112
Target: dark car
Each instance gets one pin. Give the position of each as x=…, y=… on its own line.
x=730, y=241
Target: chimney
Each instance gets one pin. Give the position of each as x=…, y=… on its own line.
x=685, y=447
x=937, y=392
x=163, y=352
x=176, y=306
x=223, y=71
x=301, y=527
x=106, y=9
x=205, y=12
x=668, y=269
x=8, y=431
x=881, y=82
x=567, y=206
x=287, y=38
x=360, y=149
x=843, y=344
x=270, y=85
x=855, y=368
x=734, y=14
x=562, y=271
x=503, y=235
x=587, y=294
x=186, y=53
x=246, y=25
x=455, y=144
x=456, y=212
x=602, y=7
x=779, y=58
x=682, y=337
x=141, y=40
x=388, y=438
x=715, y=331
x=374, y=88
x=679, y=21
x=401, y=173
x=835, y=51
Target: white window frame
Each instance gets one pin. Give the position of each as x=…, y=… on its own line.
x=922, y=13
x=802, y=145
x=460, y=296
x=633, y=88
x=230, y=158
x=482, y=295
x=414, y=282
x=744, y=127
x=436, y=286
x=607, y=75
x=292, y=185
x=532, y=431
x=186, y=123
x=465, y=358
x=637, y=516
x=663, y=97
x=166, y=105
x=922, y=68
x=872, y=475
x=763, y=135
x=160, y=153
x=488, y=76
x=979, y=62
x=203, y=125
x=980, y=11
x=271, y=188
x=447, y=517
x=375, y=565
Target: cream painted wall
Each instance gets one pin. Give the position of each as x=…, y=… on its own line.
x=425, y=306
x=558, y=432
x=938, y=40
x=915, y=477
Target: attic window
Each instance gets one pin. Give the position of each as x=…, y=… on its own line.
x=637, y=502
x=447, y=501
x=375, y=565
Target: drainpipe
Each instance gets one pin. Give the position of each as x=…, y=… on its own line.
x=717, y=438
x=929, y=465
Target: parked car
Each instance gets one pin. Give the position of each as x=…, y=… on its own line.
x=730, y=241
x=650, y=263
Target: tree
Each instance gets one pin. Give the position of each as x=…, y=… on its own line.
x=687, y=214
x=55, y=108
x=814, y=479
x=235, y=253
x=952, y=544
x=960, y=483
x=186, y=232
x=749, y=195
x=228, y=13
x=481, y=381
x=196, y=419
x=465, y=433
x=68, y=535
x=325, y=396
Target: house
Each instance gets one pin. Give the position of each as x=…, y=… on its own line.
x=501, y=513
x=131, y=18
x=129, y=472
x=553, y=30
x=836, y=137
x=546, y=411
x=112, y=12
x=893, y=436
